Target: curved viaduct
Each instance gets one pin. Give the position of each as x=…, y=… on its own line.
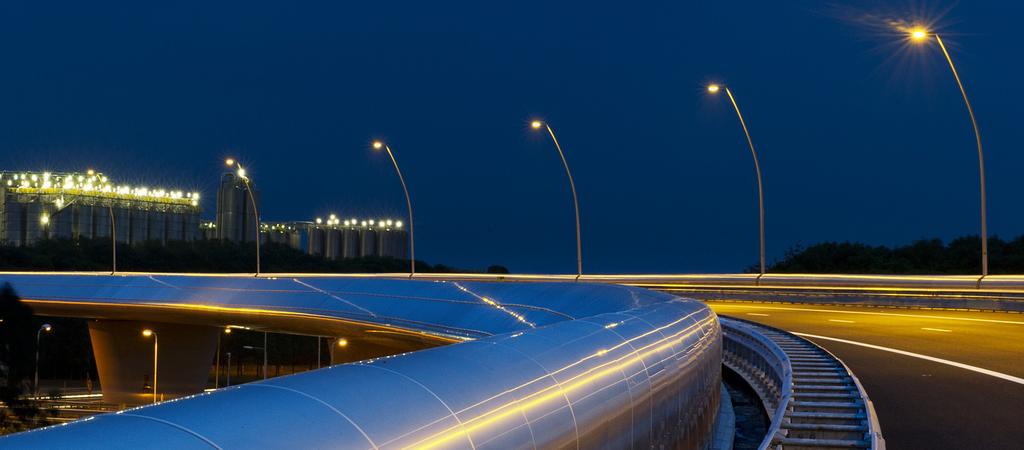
x=453, y=364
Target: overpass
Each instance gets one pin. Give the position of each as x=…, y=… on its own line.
x=853, y=316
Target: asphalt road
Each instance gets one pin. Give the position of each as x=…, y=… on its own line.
x=921, y=404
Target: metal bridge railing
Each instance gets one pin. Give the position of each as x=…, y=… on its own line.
x=812, y=399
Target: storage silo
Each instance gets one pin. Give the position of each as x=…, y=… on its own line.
x=367, y=240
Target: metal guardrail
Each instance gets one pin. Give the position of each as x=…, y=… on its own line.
x=812, y=399
x=1008, y=287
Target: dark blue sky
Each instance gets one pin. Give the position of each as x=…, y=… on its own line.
x=861, y=138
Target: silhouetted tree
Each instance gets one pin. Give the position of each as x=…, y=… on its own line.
x=17, y=353
x=497, y=269
x=929, y=256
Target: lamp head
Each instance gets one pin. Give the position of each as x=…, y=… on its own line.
x=918, y=34
x=342, y=342
x=229, y=162
x=377, y=145
x=714, y=88
x=536, y=124
x=241, y=172
x=227, y=330
x=147, y=332
x=47, y=327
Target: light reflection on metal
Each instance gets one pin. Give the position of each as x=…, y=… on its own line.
x=496, y=305
x=633, y=360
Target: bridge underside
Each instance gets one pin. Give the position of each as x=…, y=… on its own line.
x=188, y=342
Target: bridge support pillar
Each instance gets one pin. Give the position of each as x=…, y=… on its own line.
x=124, y=359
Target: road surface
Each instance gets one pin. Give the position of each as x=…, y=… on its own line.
x=939, y=379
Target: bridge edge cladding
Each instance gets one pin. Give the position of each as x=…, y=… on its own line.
x=625, y=367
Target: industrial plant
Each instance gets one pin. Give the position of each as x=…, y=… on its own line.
x=36, y=206
x=238, y=204
x=47, y=205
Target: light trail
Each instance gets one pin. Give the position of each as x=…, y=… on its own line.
x=550, y=375
x=919, y=316
x=496, y=305
x=522, y=405
x=235, y=310
x=947, y=362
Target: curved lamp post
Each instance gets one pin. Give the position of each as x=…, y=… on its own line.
x=536, y=125
x=920, y=35
x=47, y=328
x=377, y=145
x=156, y=354
x=714, y=89
x=230, y=162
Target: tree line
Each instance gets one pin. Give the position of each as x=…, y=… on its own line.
x=928, y=256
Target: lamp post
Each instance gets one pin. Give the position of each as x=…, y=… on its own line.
x=230, y=162
x=46, y=327
x=216, y=377
x=920, y=35
x=156, y=355
x=377, y=145
x=113, y=239
x=227, y=382
x=536, y=125
x=264, y=348
x=714, y=89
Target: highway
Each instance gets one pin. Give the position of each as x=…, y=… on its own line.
x=969, y=395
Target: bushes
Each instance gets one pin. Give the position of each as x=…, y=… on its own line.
x=960, y=256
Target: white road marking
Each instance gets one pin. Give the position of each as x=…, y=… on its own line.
x=841, y=321
x=919, y=316
x=980, y=370
x=758, y=314
x=938, y=329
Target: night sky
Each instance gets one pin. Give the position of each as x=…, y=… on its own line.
x=861, y=136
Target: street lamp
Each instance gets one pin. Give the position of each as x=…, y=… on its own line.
x=920, y=36
x=46, y=327
x=377, y=145
x=230, y=162
x=216, y=377
x=113, y=239
x=714, y=89
x=536, y=125
x=156, y=354
x=264, y=348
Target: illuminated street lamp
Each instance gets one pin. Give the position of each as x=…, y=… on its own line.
x=156, y=354
x=377, y=145
x=536, y=125
x=113, y=240
x=714, y=88
x=230, y=162
x=216, y=378
x=47, y=328
x=920, y=36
